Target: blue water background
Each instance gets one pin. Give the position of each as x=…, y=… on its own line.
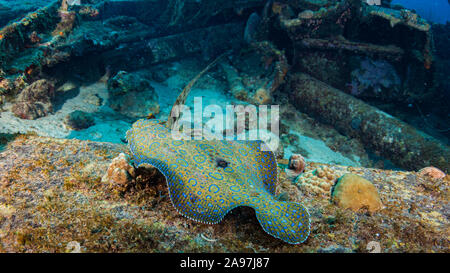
x=437, y=11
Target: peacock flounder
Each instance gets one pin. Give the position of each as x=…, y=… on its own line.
x=208, y=178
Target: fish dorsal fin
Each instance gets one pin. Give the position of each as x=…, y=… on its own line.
x=181, y=99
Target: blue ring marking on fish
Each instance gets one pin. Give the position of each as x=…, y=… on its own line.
x=194, y=181
x=214, y=186
x=226, y=151
x=182, y=162
x=228, y=170
x=226, y=142
x=236, y=197
x=199, y=158
x=243, y=151
x=235, y=189
x=216, y=175
x=177, y=142
x=205, y=146
x=160, y=156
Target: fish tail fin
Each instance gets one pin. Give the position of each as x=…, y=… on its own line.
x=288, y=221
x=181, y=99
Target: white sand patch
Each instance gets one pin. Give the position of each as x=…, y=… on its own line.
x=318, y=151
x=168, y=92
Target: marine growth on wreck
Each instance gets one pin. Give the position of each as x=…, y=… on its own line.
x=253, y=126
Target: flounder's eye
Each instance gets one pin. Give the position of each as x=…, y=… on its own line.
x=222, y=163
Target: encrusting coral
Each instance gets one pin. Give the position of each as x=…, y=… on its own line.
x=398, y=141
x=404, y=16
x=354, y=192
x=296, y=165
x=432, y=172
x=120, y=173
x=378, y=78
x=317, y=182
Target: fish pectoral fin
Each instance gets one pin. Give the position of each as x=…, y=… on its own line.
x=288, y=221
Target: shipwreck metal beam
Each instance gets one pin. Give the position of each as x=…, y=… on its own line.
x=386, y=52
x=13, y=37
x=404, y=145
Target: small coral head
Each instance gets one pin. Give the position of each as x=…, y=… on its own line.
x=297, y=163
x=432, y=172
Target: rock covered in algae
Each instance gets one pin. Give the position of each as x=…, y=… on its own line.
x=354, y=192
x=79, y=120
x=120, y=172
x=132, y=95
x=35, y=100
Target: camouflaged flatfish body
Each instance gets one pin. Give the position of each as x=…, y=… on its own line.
x=208, y=178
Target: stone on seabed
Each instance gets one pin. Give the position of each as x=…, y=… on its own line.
x=34, y=101
x=120, y=171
